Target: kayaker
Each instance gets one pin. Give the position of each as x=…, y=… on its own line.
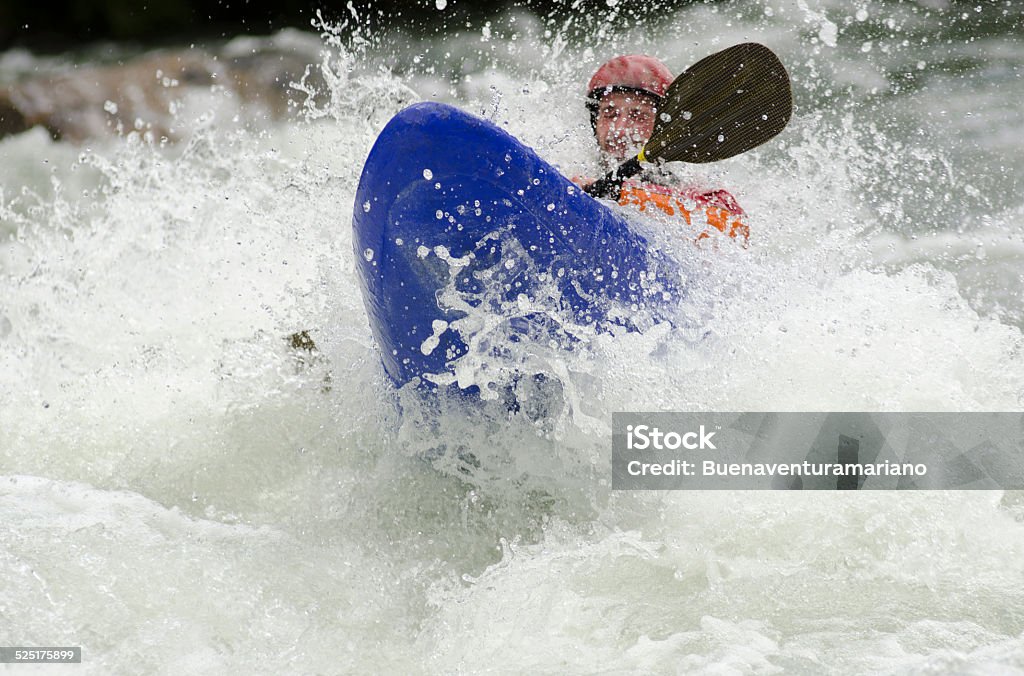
x=623, y=97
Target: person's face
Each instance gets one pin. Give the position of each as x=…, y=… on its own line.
x=625, y=121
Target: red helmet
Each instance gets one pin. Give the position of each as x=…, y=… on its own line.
x=633, y=71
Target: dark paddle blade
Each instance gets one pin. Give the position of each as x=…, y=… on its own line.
x=723, y=105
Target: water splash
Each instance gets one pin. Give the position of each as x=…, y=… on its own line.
x=173, y=434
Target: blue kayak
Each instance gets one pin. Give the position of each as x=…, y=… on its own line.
x=452, y=215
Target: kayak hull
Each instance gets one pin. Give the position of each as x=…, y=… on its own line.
x=452, y=213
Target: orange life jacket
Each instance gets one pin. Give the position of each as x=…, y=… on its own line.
x=700, y=209
x=720, y=210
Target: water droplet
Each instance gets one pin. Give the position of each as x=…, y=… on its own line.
x=366, y=206
x=440, y=4
x=551, y=207
x=428, y=174
x=368, y=254
x=687, y=115
x=439, y=214
x=438, y=326
x=721, y=138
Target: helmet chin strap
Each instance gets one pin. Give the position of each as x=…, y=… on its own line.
x=635, y=144
x=610, y=161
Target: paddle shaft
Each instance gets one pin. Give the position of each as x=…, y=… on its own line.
x=611, y=184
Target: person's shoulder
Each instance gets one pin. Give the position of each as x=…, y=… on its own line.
x=665, y=180
x=717, y=197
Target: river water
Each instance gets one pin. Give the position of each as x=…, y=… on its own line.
x=181, y=492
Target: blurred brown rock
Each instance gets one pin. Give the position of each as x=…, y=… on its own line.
x=144, y=93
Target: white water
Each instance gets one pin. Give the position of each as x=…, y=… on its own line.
x=178, y=494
